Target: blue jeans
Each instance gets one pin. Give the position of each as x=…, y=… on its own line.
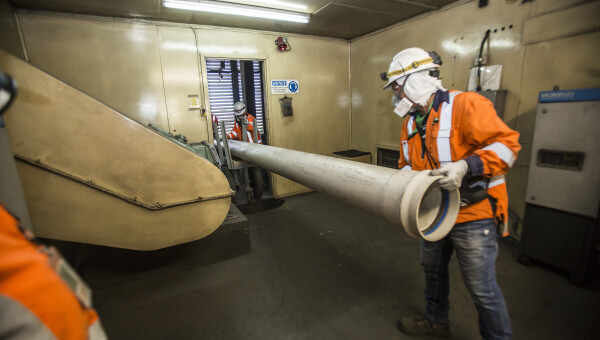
x=476, y=245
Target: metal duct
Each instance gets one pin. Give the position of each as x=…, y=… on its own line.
x=412, y=199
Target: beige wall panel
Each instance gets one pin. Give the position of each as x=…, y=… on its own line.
x=456, y=34
x=572, y=21
x=524, y=158
x=180, y=69
x=540, y=7
x=296, y=188
x=570, y=63
x=517, y=188
x=281, y=185
x=9, y=31
x=320, y=123
x=117, y=63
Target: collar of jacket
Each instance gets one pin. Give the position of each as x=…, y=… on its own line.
x=440, y=97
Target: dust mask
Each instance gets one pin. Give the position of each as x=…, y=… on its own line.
x=403, y=107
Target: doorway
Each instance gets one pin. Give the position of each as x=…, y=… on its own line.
x=230, y=81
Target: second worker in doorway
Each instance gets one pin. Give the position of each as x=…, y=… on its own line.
x=242, y=117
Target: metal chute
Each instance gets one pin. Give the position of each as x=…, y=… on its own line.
x=93, y=175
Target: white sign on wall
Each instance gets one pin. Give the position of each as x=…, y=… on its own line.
x=193, y=102
x=284, y=86
x=489, y=78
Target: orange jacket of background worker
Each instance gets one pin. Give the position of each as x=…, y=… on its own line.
x=35, y=303
x=242, y=117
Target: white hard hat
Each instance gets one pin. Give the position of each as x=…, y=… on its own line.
x=239, y=109
x=409, y=61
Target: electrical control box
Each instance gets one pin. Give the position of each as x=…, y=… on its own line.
x=561, y=220
x=565, y=161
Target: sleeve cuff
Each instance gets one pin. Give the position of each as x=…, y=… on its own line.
x=475, y=166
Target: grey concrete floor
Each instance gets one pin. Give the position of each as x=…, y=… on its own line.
x=321, y=269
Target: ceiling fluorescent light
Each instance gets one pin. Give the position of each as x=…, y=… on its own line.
x=280, y=4
x=237, y=9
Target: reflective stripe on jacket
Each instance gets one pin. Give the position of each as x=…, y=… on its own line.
x=35, y=302
x=466, y=126
x=236, y=131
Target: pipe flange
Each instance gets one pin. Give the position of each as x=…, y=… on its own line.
x=427, y=210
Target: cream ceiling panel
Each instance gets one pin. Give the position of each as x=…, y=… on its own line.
x=344, y=19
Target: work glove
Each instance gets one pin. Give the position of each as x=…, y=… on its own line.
x=245, y=121
x=453, y=174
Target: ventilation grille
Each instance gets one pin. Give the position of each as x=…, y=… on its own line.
x=388, y=158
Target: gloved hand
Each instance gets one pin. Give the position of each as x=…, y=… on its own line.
x=453, y=174
x=245, y=121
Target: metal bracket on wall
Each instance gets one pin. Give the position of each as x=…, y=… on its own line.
x=226, y=147
x=218, y=141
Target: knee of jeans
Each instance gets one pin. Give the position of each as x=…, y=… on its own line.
x=433, y=254
x=484, y=293
x=486, y=299
x=429, y=263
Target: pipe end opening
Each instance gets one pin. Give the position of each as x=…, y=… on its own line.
x=429, y=211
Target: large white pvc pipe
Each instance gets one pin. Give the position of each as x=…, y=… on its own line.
x=412, y=199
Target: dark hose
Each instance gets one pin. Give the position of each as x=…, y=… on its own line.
x=479, y=60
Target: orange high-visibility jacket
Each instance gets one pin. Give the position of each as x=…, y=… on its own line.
x=34, y=301
x=467, y=127
x=236, y=131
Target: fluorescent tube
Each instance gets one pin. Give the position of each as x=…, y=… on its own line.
x=237, y=9
x=277, y=3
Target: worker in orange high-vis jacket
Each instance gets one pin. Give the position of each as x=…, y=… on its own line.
x=459, y=136
x=243, y=118
x=35, y=303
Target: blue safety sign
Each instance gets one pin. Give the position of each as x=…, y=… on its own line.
x=293, y=86
x=285, y=86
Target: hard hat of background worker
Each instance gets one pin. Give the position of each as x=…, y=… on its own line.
x=409, y=61
x=239, y=109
